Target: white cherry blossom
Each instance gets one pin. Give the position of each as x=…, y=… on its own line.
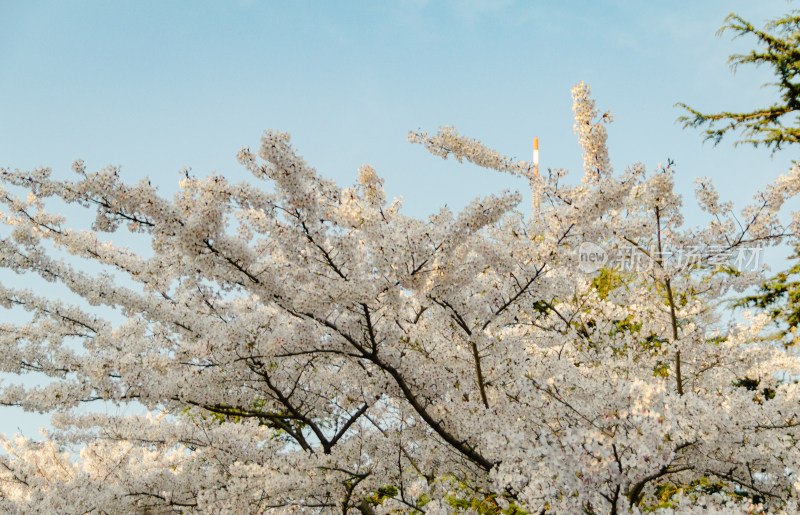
x=305, y=347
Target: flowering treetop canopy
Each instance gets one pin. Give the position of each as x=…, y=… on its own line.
x=314, y=348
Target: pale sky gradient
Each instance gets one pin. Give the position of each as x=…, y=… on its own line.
x=157, y=86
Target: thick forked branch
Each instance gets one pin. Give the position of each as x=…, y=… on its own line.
x=635, y=491
x=461, y=446
x=473, y=346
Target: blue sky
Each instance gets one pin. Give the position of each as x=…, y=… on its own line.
x=157, y=86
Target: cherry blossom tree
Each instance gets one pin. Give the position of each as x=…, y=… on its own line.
x=308, y=347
